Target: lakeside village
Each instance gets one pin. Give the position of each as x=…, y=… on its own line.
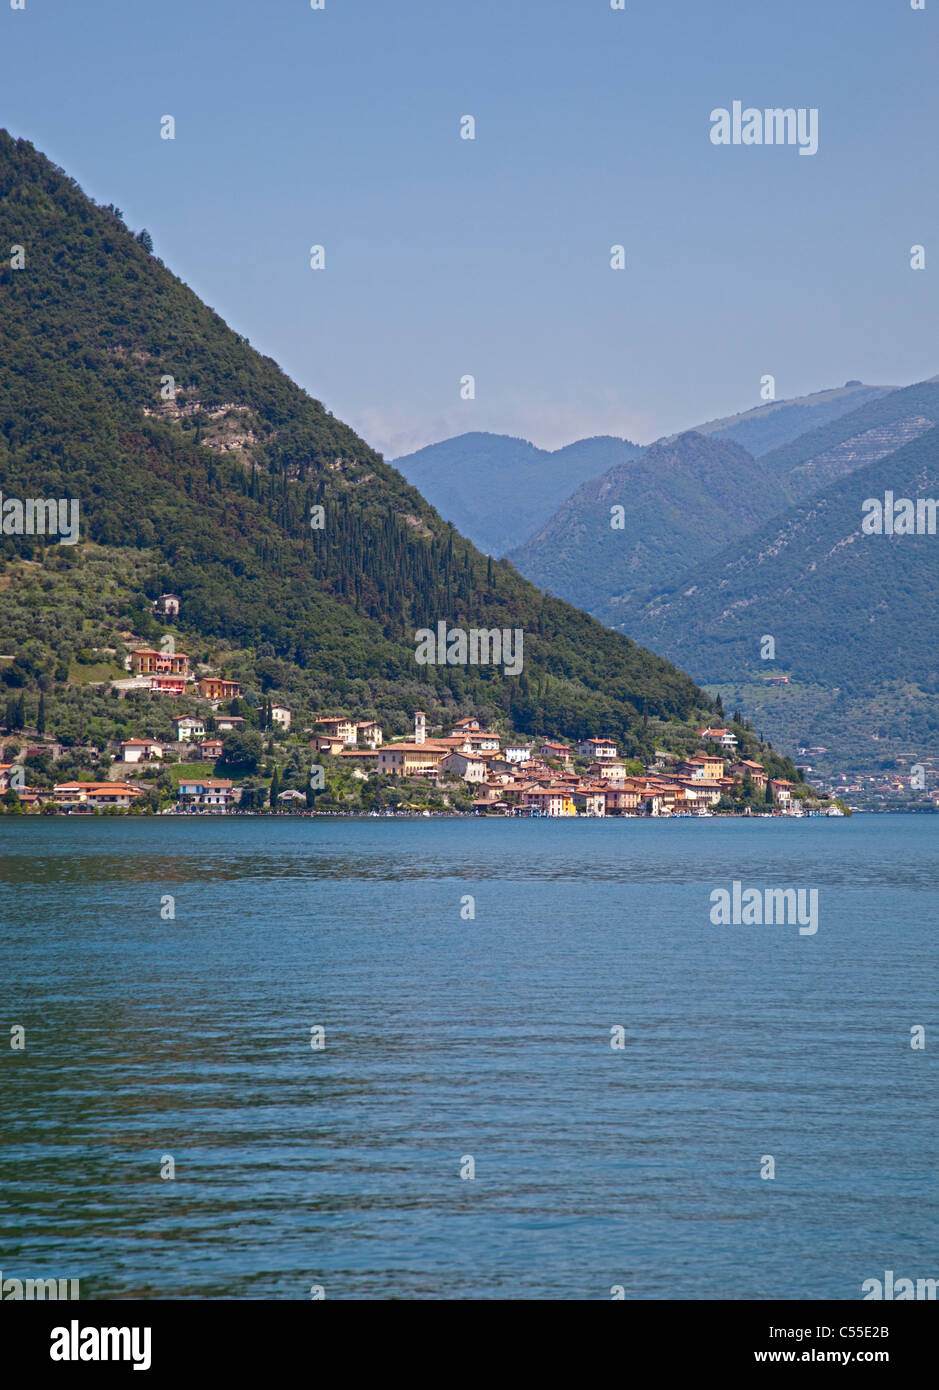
x=222, y=763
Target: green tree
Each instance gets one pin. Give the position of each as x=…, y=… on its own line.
x=241, y=753
x=275, y=788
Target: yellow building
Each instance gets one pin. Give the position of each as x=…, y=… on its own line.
x=410, y=759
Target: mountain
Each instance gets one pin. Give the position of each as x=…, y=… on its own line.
x=498, y=490
x=853, y=616
x=860, y=437
x=210, y=493
x=769, y=426
x=683, y=500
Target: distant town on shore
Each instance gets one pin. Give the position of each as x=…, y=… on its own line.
x=223, y=762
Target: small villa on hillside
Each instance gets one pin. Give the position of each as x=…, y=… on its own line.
x=147, y=662
x=342, y=729
x=189, y=729
x=597, y=748
x=722, y=736
x=140, y=750
x=214, y=688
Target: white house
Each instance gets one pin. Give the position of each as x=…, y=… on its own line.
x=189, y=728
x=466, y=765
x=140, y=750
x=517, y=753
x=722, y=736
x=597, y=748
x=281, y=715
x=369, y=733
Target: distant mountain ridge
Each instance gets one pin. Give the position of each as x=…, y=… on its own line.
x=767, y=427
x=853, y=616
x=498, y=489
x=687, y=506
x=682, y=501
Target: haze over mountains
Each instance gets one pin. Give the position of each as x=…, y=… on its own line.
x=719, y=546
x=497, y=489
x=681, y=501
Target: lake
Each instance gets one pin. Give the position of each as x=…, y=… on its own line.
x=455, y=1042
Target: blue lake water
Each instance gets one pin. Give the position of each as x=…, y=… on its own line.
x=446, y=1038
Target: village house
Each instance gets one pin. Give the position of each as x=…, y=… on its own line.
x=225, y=723
x=215, y=688
x=140, y=750
x=550, y=801
x=622, y=798
x=282, y=716
x=211, y=749
x=756, y=773
x=291, y=797
x=607, y=771
x=698, y=792
x=516, y=753
x=782, y=791
x=703, y=766
x=590, y=800
x=329, y=745
x=499, y=765
x=97, y=796
x=368, y=731
x=167, y=685
x=341, y=728
x=559, y=751
x=168, y=605
x=409, y=759
x=481, y=742
x=196, y=792
x=146, y=662
x=466, y=765
x=466, y=726
x=189, y=729
x=722, y=736
x=597, y=748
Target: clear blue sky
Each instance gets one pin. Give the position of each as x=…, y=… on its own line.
x=491, y=257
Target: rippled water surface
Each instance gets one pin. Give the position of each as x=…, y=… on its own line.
x=448, y=1037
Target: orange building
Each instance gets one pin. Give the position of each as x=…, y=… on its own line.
x=151, y=663
x=214, y=688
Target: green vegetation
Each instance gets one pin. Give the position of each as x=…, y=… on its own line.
x=682, y=501
x=322, y=619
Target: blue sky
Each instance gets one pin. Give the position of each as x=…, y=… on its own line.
x=446, y=257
